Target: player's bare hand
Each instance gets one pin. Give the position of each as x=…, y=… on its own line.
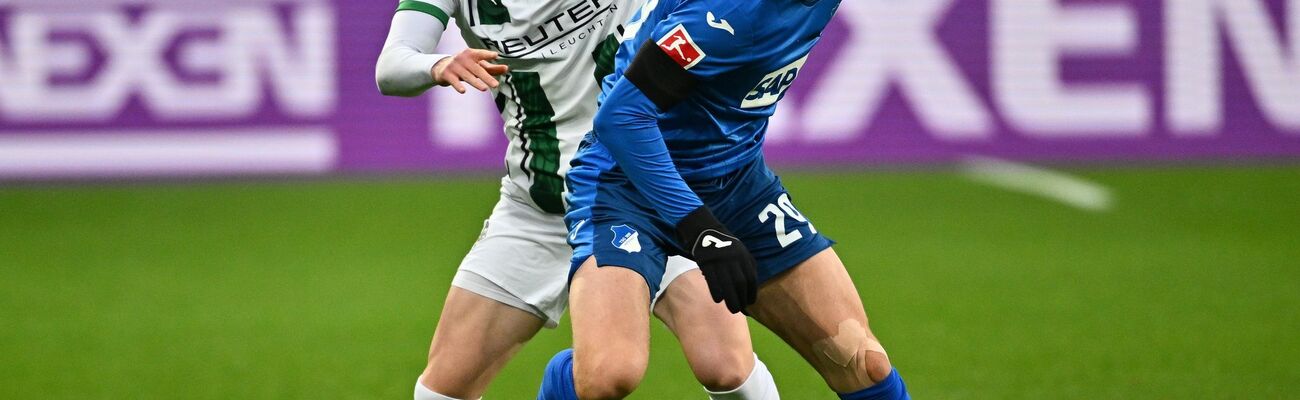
x=471, y=66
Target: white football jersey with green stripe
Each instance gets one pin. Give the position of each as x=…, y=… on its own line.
x=558, y=51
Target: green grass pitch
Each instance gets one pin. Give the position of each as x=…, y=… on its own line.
x=1188, y=288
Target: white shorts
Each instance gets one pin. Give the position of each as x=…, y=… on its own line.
x=522, y=259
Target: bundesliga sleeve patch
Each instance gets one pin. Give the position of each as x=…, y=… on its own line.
x=679, y=46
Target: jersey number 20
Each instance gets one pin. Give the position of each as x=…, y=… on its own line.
x=778, y=212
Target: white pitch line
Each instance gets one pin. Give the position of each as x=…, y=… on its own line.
x=1070, y=190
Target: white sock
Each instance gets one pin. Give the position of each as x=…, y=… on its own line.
x=759, y=386
x=423, y=393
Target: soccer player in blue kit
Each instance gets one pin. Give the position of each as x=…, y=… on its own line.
x=675, y=167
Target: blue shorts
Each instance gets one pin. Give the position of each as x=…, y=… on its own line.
x=609, y=219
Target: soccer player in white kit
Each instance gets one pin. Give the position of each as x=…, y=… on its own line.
x=542, y=60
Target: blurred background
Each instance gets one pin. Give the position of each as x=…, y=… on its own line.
x=1036, y=198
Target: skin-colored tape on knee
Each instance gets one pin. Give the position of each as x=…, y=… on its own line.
x=850, y=340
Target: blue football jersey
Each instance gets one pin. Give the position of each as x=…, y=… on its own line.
x=694, y=84
x=745, y=55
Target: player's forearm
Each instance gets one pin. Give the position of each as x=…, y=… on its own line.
x=405, y=64
x=628, y=126
x=404, y=72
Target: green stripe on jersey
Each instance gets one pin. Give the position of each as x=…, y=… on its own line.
x=493, y=12
x=426, y=8
x=538, y=128
x=604, y=57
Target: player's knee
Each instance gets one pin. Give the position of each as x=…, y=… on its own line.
x=875, y=365
x=614, y=384
x=853, y=356
x=725, y=370
x=862, y=369
x=608, y=377
x=723, y=379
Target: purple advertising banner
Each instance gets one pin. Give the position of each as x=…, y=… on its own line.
x=111, y=88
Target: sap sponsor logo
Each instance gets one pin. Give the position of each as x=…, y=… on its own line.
x=773, y=86
x=626, y=238
x=181, y=60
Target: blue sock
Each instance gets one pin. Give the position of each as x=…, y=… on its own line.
x=892, y=388
x=557, y=382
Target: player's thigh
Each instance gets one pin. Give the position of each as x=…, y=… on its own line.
x=816, y=309
x=759, y=210
x=610, y=311
x=715, y=341
x=474, y=339
x=523, y=257
x=509, y=285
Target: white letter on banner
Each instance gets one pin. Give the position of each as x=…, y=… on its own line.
x=302, y=77
x=1195, y=65
x=894, y=40
x=1029, y=39
x=237, y=92
x=29, y=94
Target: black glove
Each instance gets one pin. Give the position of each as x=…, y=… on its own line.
x=729, y=269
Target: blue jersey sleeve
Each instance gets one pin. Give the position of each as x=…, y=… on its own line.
x=707, y=38
x=695, y=43
x=628, y=126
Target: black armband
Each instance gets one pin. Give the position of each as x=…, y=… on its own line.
x=662, y=80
